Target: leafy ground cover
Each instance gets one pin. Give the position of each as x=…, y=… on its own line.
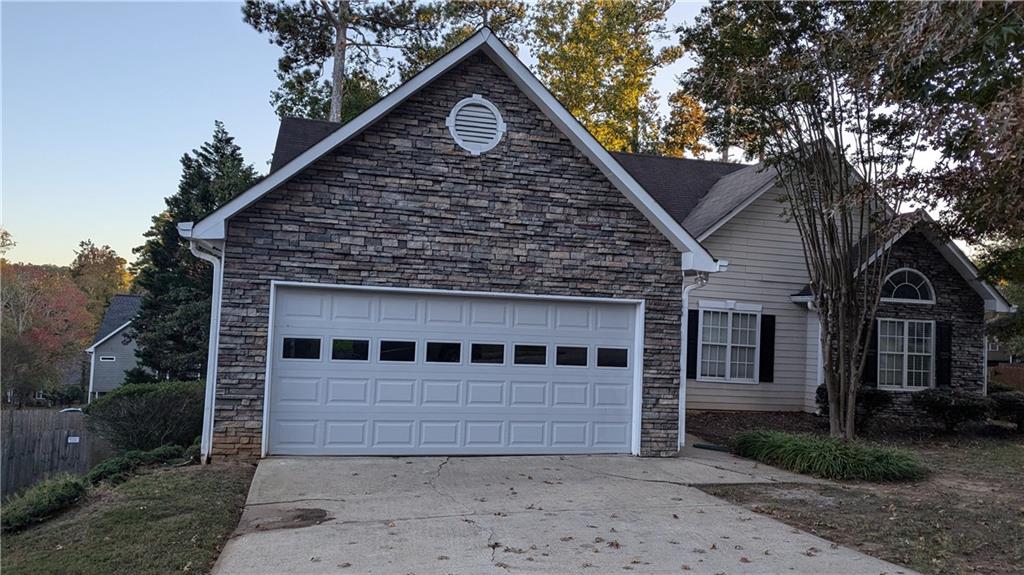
x=967, y=516
x=162, y=521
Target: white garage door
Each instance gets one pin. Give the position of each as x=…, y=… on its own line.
x=363, y=372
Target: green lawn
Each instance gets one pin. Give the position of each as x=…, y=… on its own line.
x=163, y=521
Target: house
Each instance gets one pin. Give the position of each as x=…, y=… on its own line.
x=463, y=269
x=111, y=354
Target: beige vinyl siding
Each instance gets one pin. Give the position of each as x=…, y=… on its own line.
x=766, y=266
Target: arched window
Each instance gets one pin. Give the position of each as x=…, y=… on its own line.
x=907, y=285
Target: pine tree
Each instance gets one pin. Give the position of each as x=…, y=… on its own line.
x=172, y=327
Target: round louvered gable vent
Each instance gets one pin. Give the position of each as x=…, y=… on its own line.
x=476, y=124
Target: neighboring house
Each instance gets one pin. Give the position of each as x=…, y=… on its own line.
x=111, y=353
x=463, y=269
x=999, y=355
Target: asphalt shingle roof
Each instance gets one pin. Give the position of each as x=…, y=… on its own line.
x=682, y=186
x=122, y=309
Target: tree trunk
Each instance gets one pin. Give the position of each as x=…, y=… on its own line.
x=338, y=70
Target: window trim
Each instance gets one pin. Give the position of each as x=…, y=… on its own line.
x=426, y=352
x=927, y=282
x=586, y=360
x=904, y=388
x=320, y=353
x=415, y=351
x=597, y=353
x=729, y=307
x=369, y=348
x=547, y=353
x=504, y=353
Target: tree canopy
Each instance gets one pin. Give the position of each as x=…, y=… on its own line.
x=172, y=327
x=100, y=273
x=598, y=57
x=351, y=35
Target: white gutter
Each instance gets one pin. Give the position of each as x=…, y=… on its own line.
x=699, y=281
x=206, y=251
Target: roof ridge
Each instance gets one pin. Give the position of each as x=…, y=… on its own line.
x=661, y=157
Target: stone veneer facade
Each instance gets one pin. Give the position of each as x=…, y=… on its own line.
x=402, y=205
x=956, y=303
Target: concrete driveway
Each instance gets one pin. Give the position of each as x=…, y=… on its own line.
x=472, y=515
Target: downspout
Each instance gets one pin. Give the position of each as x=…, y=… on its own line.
x=205, y=251
x=699, y=281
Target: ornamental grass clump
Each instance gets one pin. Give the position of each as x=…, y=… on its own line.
x=829, y=457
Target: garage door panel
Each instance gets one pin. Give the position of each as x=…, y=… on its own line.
x=358, y=404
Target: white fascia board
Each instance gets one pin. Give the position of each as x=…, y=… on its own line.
x=213, y=226
x=92, y=347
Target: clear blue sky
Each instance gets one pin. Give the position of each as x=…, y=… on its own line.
x=100, y=100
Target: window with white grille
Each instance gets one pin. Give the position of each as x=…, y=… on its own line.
x=906, y=350
x=476, y=124
x=728, y=344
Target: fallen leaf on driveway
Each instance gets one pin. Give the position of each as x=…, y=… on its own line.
x=744, y=560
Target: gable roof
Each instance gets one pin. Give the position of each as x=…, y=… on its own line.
x=296, y=135
x=120, y=312
x=695, y=257
x=727, y=197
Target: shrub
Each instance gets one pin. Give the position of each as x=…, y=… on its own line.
x=41, y=501
x=829, y=457
x=145, y=416
x=952, y=407
x=117, y=469
x=870, y=401
x=1009, y=405
x=996, y=387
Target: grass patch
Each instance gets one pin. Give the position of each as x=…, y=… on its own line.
x=164, y=521
x=41, y=501
x=828, y=457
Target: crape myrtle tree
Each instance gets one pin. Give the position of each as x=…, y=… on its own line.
x=355, y=36
x=173, y=324
x=798, y=84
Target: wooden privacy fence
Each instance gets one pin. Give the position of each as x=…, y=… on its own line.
x=40, y=443
x=1011, y=375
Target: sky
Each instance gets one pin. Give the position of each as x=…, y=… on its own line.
x=100, y=101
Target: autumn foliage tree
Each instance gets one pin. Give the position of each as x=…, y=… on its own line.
x=46, y=326
x=100, y=273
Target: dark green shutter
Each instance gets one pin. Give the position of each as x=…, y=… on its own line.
x=692, y=335
x=766, y=370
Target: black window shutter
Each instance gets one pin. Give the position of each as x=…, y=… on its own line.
x=766, y=371
x=692, y=335
x=943, y=354
x=871, y=363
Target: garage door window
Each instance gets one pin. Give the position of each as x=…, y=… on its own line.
x=571, y=356
x=301, y=348
x=493, y=353
x=397, y=350
x=350, y=349
x=444, y=352
x=612, y=357
x=531, y=355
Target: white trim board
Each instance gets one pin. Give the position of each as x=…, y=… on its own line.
x=213, y=227
x=638, y=344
